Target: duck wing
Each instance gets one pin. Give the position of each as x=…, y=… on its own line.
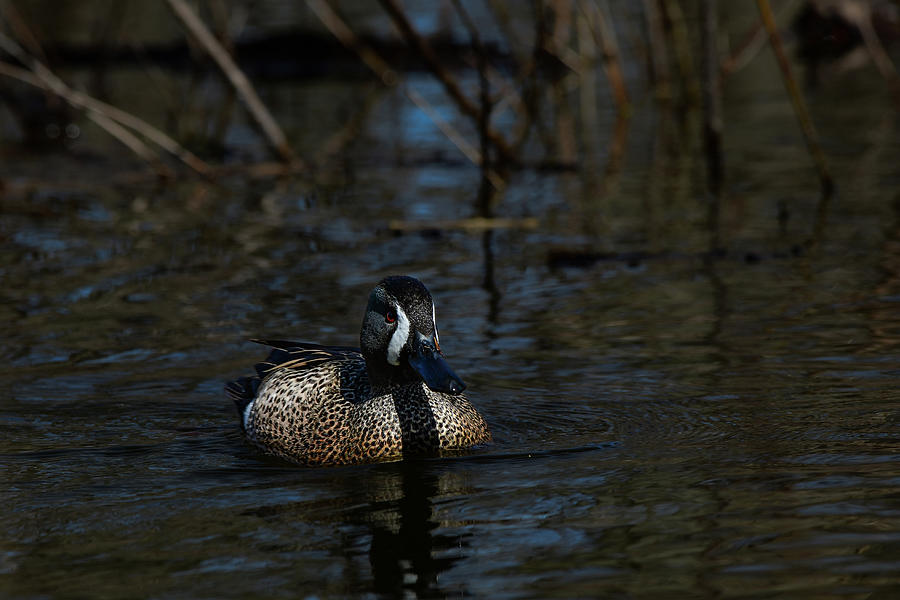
x=302, y=355
x=287, y=355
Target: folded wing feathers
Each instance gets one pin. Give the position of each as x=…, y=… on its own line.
x=301, y=355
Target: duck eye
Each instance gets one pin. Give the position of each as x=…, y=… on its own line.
x=391, y=316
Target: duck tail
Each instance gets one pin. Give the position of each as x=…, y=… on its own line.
x=242, y=391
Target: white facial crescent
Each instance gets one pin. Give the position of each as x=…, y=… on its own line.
x=399, y=338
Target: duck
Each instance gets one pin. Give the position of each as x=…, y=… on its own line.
x=393, y=397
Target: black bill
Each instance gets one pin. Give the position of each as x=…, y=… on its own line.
x=429, y=363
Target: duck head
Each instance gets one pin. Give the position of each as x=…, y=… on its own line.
x=399, y=338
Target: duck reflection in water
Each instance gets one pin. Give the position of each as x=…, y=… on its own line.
x=404, y=542
x=389, y=510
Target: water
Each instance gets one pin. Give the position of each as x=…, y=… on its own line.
x=671, y=425
x=669, y=421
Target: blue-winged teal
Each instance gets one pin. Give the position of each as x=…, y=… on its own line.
x=396, y=396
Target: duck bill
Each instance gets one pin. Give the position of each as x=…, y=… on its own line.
x=426, y=359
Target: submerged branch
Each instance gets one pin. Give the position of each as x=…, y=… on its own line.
x=605, y=37
x=860, y=14
x=452, y=88
x=806, y=124
x=681, y=44
x=131, y=142
x=388, y=76
x=245, y=89
x=470, y=224
x=712, y=95
x=339, y=29
x=658, y=56
x=19, y=28
x=127, y=139
x=752, y=43
x=42, y=77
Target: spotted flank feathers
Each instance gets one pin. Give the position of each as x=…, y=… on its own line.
x=395, y=396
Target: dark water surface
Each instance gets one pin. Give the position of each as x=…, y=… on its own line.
x=711, y=428
x=670, y=422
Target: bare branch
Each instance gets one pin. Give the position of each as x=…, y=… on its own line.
x=101, y=113
x=45, y=79
x=437, y=69
x=345, y=35
x=605, y=37
x=245, y=89
x=806, y=124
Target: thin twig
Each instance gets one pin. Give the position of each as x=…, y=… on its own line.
x=20, y=29
x=605, y=38
x=452, y=88
x=712, y=95
x=245, y=89
x=40, y=76
x=470, y=224
x=681, y=44
x=660, y=70
x=388, y=76
x=339, y=29
x=484, y=114
x=806, y=124
x=124, y=136
x=753, y=42
x=45, y=79
x=452, y=134
x=555, y=42
x=501, y=13
x=860, y=14
x=587, y=90
x=131, y=141
x=565, y=55
x=505, y=95
x=350, y=130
